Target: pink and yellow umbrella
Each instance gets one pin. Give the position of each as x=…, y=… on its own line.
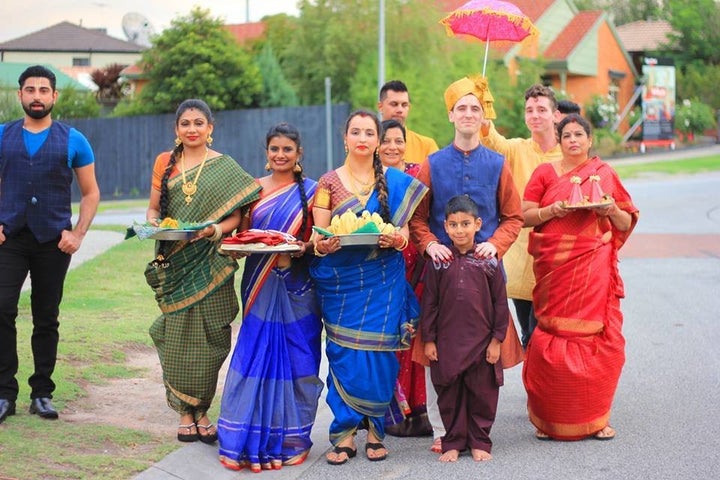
x=489, y=20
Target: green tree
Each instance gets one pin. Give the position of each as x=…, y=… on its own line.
x=10, y=108
x=697, y=27
x=72, y=103
x=196, y=58
x=330, y=41
x=698, y=80
x=626, y=11
x=277, y=91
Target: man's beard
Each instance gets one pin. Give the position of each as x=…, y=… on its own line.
x=37, y=114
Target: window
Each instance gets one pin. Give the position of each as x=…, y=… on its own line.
x=81, y=62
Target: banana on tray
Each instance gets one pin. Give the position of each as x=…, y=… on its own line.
x=348, y=222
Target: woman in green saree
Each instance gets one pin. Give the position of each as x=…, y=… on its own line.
x=192, y=281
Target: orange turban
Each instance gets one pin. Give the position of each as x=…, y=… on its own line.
x=476, y=85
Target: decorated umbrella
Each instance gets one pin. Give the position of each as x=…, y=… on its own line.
x=489, y=20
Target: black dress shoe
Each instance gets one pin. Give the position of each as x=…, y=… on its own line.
x=7, y=408
x=43, y=407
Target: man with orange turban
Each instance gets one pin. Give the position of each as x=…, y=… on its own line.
x=466, y=167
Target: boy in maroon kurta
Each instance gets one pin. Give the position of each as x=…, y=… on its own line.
x=464, y=320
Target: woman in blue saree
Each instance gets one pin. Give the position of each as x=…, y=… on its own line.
x=368, y=307
x=272, y=387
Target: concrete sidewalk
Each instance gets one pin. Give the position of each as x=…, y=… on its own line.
x=198, y=461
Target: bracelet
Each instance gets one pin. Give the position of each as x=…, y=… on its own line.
x=316, y=251
x=539, y=215
x=217, y=234
x=403, y=244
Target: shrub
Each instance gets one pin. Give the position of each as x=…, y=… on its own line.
x=694, y=116
x=602, y=111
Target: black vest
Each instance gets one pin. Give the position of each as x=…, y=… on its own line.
x=35, y=190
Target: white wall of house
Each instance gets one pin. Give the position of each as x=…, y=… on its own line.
x=69, y=59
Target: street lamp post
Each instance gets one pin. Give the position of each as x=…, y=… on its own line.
x=381, y=45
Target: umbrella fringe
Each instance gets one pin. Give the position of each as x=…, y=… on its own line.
x=517, y=20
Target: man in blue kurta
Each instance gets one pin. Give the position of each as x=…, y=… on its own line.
x=37, y=161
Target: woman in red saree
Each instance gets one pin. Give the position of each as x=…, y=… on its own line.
x=575, y=356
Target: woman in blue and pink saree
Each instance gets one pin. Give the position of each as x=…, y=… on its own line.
x=368, y=306
x=272, y=387
x=576, y=353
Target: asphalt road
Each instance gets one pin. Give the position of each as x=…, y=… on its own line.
x=667, y=404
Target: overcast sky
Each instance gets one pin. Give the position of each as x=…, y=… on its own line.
x=21, y=17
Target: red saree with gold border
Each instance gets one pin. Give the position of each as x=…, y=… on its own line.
x=575, y=356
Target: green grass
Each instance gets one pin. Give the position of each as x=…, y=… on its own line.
x=673, y=167
x=106, y=310
x=116, y=205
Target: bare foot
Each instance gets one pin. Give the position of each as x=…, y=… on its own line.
x=607, y=433
x=450, y=456
x=480, y=455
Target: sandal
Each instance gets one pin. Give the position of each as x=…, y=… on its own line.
x=607, y=433
x=375, y=446
x=542, y=435
x=208, y=438
x=437, y=445
x=187, y=437
x=350, y=452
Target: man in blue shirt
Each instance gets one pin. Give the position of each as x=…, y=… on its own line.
x=37, y=160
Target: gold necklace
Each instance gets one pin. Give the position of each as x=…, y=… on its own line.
x=190, y=188
x=366, y=186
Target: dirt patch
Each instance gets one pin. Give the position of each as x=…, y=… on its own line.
x=137, y=402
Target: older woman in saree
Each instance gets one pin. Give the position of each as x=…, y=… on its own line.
x=272, y=388
x=193, y=283
x=575, y=356
x=368, y=306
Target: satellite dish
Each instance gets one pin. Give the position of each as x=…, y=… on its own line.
x=138, y=29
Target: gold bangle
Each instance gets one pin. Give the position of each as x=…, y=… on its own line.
x=403, y=245
x=317, y=252
x=539, y=215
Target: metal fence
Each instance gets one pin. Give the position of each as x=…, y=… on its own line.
x=125, y=148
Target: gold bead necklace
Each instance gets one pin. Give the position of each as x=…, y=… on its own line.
x=190, y=188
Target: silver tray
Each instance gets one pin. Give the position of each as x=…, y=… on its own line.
x=260, y=247
x=359, y=239
x=174, y=235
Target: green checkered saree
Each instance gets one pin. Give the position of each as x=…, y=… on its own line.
x=195, y=288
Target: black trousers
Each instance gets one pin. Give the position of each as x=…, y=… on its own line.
x=19, y=255
x=526, y=319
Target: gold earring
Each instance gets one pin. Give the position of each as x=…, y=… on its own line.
x=297, y=168
x=177, y=141
x=209, y=140
x=268, y=167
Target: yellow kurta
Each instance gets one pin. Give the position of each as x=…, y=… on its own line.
x=418, y=147
x=522, y=155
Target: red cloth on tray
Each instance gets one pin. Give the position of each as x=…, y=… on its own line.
x=251, y=236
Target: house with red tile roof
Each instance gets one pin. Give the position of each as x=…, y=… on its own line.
x=583, y=52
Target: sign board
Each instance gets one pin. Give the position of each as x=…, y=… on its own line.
x=658, y=99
